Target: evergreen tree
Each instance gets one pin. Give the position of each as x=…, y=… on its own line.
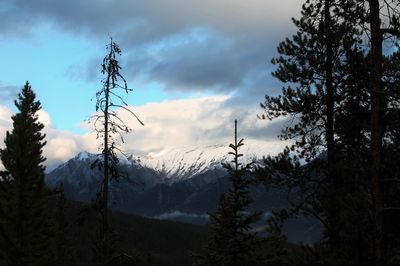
x=390, y=169
x=353, y=189
x=231, y=242
x=382, y=20
x=63, y=249
x=275, y=245
x=327, y=97
x=24, y=219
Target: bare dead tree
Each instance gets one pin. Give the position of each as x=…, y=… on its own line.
x=110, y=128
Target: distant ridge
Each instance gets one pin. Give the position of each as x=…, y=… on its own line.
x=175, y=184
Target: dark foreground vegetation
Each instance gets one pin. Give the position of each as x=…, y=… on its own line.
x=146, y=241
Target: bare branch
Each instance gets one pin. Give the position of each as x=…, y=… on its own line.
x=123, y=107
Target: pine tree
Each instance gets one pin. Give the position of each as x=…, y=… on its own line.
x=382, y=25
x=231, y=242
x=24, y=220
x=354, y=193
x=390, y=168
x=344, y=99
x=327, y=97
x=62, y=245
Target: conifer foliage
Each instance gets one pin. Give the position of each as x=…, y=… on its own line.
x=24, y=236
x=342, y=96
x=231, y=242
x=64, y=252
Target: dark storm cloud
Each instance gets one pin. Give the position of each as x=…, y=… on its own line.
x=192, y=60
x=212, y=45
x=203, y=59
x=155, y=18
x=90, y=17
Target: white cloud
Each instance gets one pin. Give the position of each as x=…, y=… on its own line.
x=44, y=118
x=195, y=122
x=169, y=124
x=60, y=148
x=60, y=145
x=5, y=122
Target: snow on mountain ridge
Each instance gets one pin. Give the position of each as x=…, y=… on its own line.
x=83, y=155
x=184, y=163
x=178, y=164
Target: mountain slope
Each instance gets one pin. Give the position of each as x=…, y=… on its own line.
x=189, y=181
x=185, y=163
x=161, y=242
x=175, y=184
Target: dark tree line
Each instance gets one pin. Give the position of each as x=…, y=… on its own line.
x=342, y=97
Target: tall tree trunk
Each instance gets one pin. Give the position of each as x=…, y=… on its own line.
x=19, y=228
x=376, y=128
x=332, y=179
x=106, y=171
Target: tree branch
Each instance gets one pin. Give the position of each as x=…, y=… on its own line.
x=391, y=31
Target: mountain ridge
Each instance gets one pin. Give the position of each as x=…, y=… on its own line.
x=162, y=190
x=186, y=180
x=185, y=162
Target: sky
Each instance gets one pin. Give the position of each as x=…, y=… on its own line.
x=193, y=66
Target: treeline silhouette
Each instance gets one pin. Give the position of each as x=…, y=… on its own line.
x=342, y=97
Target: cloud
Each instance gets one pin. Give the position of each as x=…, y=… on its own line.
x=220, y=47
x=149, y=20
x=203, y=59
x=44, y=118
x=191, y=60
x=178, y=214
x=8, y=93
x=200, y=59
x=212, y=45
x=61, y=145
x=5, y=122
x=196, y=122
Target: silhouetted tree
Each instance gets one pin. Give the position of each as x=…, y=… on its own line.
x=64, y=252
x=109, y=128
x=324, y=67
x=382, y=20
x=351, y=189
x=231, y=242
x=24, y=219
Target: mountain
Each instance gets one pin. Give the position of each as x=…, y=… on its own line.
x=185, y=163
x=178, y=184
x=171, y=181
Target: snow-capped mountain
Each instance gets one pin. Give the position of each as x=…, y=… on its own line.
x=184, y=163
x=183, y=176
x=177, y=183
x=175, y=165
